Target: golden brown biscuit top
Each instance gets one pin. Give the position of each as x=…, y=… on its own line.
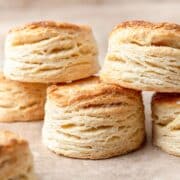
x=38, y=32
x=149, y=25
x=51, y=24
x=66, y=94
x=9, y=139
x=147, y=34
x=170, y=98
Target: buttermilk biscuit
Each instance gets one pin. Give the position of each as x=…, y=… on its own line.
x=166, y=122
x=16, y=161
x=144, y=56
x=92, y=120
x=50, y=52
x=21, y=101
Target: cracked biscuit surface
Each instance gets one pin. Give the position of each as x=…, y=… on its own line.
x=16, y=161
x=49, y=51
x=92, y=120
x=144, y=56
x=21, y=101
x=166, y=122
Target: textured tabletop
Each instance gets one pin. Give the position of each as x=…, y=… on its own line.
x=148, y=163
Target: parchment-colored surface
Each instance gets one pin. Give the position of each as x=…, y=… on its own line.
x=148, y=163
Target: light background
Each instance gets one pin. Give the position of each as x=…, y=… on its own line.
x=102, y=15
x=149, y=163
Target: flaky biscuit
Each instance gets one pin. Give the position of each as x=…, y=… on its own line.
x=92, y=120
x=166, y=122
x=144, y=56
x=21, y=101
x=48, y=51
x=16, y=161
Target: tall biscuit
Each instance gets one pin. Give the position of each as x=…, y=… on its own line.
x=16, y=161
x=21, y=101
x=49, y=52
x=92, y=120
x=144, y=56
x=166, y=122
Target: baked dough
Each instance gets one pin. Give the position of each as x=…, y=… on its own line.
x=16, y=161
x=166, y=122
x=144, y=56
x=92, y=120
x=21, y=101
x=47, y=52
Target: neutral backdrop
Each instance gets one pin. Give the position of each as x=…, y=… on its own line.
x=149, y=163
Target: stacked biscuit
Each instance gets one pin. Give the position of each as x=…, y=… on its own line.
x=88, y=116
x=50, y=52
x=21, y=101
x=36, y=55
x=16, y=160
x=146, y=56
x=84, y=117
x=94, y=120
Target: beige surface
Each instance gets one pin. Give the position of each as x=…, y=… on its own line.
x=149, y=163
x=54, y=3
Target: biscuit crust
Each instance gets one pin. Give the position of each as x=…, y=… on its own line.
x=83, y=90
x=46, y=24
x=8, y=139
x=148, y=25
x=148, y=33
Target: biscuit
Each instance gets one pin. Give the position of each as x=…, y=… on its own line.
x=21, y=101
x=166, y=122
x=16, y=161
x=49, y=52
x=144, y=56
x=92, y=120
